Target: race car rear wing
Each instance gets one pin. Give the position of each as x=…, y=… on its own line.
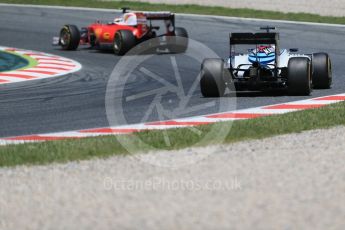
x=254, y=38
x=159, y=15
x=152, y=15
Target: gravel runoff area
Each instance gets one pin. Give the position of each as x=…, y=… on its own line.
x=286, y=182
x=325, y=8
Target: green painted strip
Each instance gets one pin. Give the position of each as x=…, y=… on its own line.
x=11, y=61
x=31, y=61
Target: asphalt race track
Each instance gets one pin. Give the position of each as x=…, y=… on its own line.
x=77, y=101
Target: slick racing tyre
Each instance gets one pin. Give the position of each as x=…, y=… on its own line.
x=124, y=40
x=212, y=82
x=322, y=71
x=299, y=76
x=69, y=37
x=179, y=42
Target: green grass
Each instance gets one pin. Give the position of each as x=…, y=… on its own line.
x=72, y=150
x=193, y=9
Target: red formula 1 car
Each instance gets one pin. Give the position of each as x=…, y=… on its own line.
x=126, y=32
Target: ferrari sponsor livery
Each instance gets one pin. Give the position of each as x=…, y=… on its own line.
x=125, y=32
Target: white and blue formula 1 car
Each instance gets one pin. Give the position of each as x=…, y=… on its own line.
x=263, y=66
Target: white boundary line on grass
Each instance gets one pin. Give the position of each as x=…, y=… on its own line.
x=243, y=114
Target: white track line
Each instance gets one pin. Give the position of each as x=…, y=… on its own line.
x=183, y=122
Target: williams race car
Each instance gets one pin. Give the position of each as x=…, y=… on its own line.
x=125, y=32
x=264, y=66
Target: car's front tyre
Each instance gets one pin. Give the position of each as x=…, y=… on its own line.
x=69, y=37
x=322, y=71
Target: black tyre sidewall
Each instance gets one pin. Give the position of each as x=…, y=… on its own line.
x=74, y=34
x=181, y=32
x=212, y=82
x=127, y=41
x=179, y=42
x=322, y=71
x=299, y=76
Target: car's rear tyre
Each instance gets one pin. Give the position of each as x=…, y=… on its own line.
x=299, y=76
x=179, y=42
x=69, y=37
x=322, y=71
x=124, y=40
x=212, y=82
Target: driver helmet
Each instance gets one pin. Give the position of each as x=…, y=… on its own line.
x=267, y=49
x=129, y=19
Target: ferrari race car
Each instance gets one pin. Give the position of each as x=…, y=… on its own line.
x=125, y=32
x=263, y=66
